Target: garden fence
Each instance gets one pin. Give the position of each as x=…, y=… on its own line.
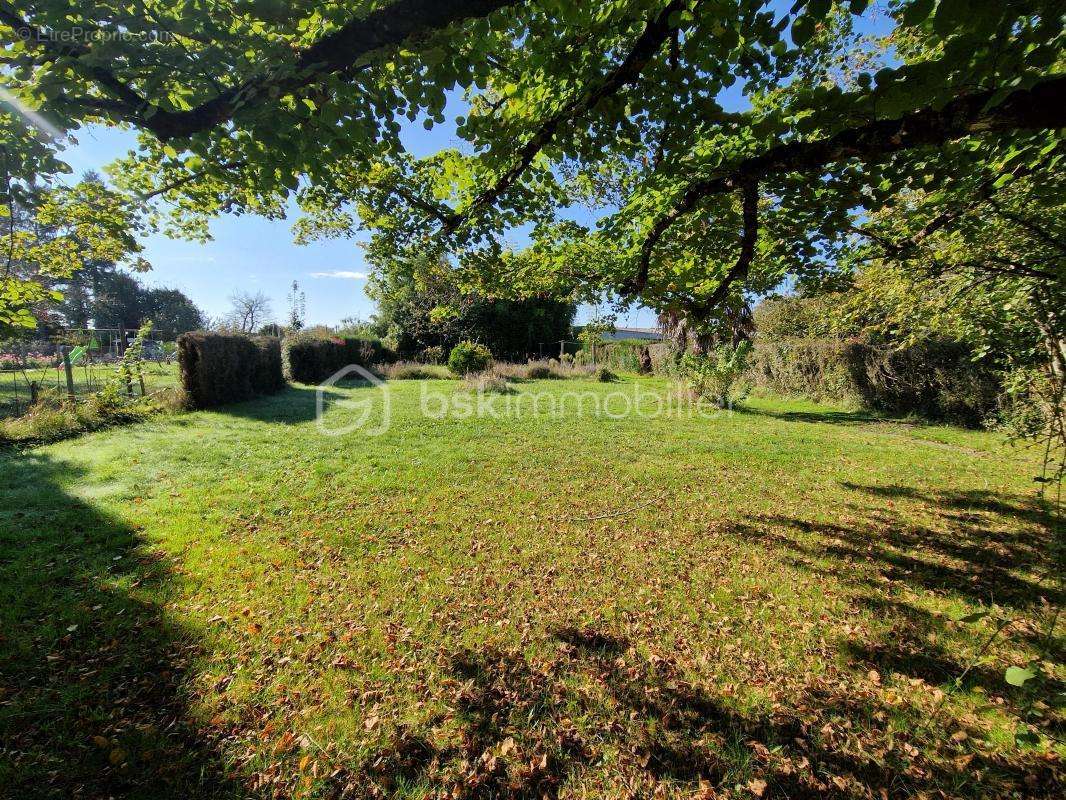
x=76, y=362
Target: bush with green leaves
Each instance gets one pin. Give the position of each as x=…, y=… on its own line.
x=467, y=358
x=935, y=378
x=434, y=354
x=606, y=375
x=717, y=376
x=55, y=416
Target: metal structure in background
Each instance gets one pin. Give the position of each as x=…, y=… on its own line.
x=71, y=362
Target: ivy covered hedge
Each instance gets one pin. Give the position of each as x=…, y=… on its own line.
x=219, y=368
x=936, y=379
x=312, y=359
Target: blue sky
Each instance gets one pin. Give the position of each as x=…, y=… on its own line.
x=253, y=254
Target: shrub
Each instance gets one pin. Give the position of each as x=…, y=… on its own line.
x=268, y=376
x=310, y=358
x=804, y=317
x=55, y=417
x=604, y=375
x=936, y=378
x=220, y=368
x=814, y=368
x=434, y=354
x=718, y=376
x=539, y=371
x=622, y=355
x=469, y=357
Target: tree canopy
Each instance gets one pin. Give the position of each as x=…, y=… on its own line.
x=618, y=105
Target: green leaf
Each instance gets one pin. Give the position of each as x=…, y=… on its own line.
x=917, y=12
x=1027, y=736
x=1017, y=676
x=802, y=30
x=951, y=16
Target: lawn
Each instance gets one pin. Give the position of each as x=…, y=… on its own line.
x=232, y=604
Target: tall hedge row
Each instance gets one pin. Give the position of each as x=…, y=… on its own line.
x=937, y=379
x=221, y=368
x=313, y=359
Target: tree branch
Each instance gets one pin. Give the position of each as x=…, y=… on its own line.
x=656, y=31
x=1042, y=107
x=127, y=99
x=1028, y=225
x=192, y=177
x=750, y=215
x=441, y=213
x=334, y=53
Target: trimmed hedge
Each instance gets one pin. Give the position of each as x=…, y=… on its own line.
x=313, y=359
x=936, y=379
x=221, y=368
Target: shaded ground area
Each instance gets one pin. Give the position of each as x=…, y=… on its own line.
x=91, y=673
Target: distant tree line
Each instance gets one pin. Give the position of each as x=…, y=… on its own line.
x=102, y=296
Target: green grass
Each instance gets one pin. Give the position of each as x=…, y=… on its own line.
x=232, y=604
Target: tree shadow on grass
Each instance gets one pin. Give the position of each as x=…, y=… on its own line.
x=985, y=549
x=915, y=645
x=92, y=674
x=294, y=405
x=642, y=729
x=969, y=504
x=860, y=417
x=983, y=556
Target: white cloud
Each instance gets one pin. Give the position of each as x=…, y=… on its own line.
x=341, y=273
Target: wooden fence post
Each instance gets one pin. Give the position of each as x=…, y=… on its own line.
x=69, y=372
